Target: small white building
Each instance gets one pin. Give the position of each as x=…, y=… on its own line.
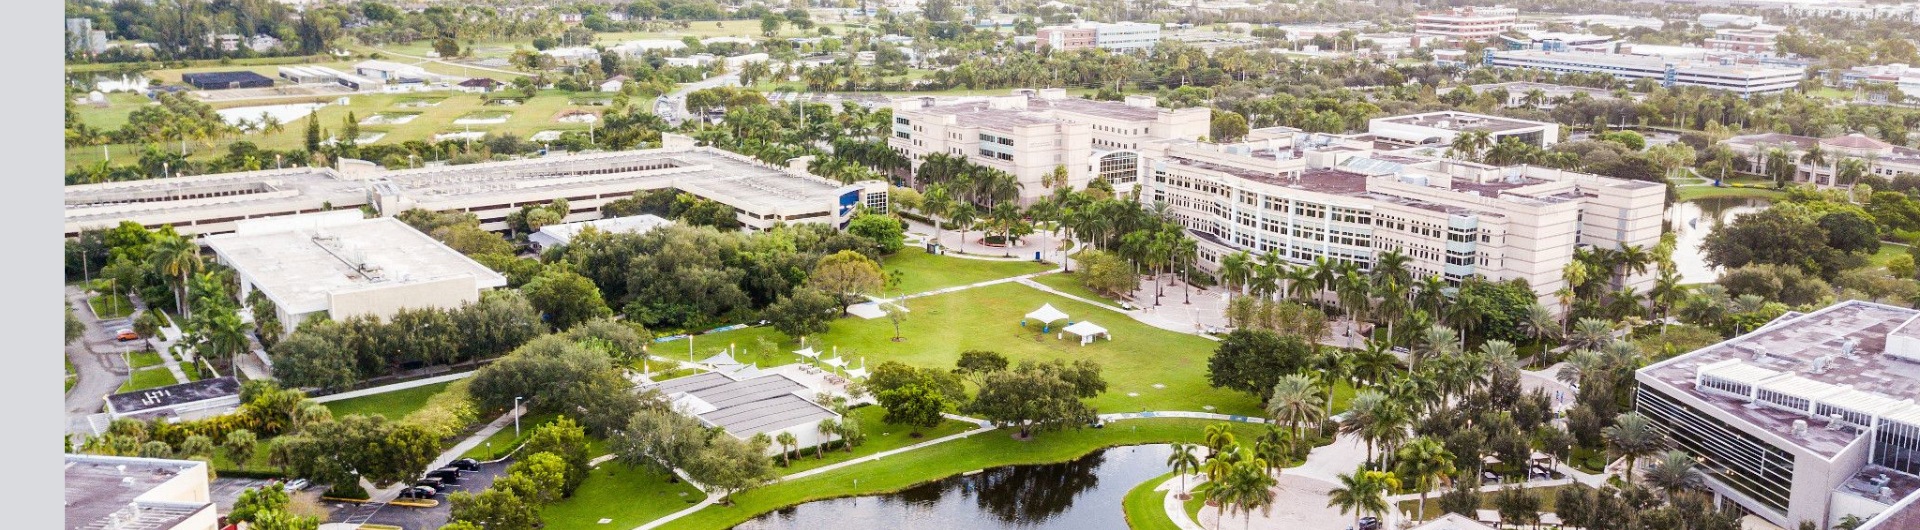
x=560, y=234
x=614, y=84
x=389, y=72
x=343, y=265
x=746, y=401
x=738, y=61
x=1440, y=128
x=573, y=54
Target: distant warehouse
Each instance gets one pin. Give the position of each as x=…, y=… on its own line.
x=226, y=80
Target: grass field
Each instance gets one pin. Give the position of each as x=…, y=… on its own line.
x=921, y=272
x=1067, y=283
x=393, y=405
x=991, y=449
x=1146, y=508
x=1688, y=193
x=504, y=441
x=1546, y=495
x=988, y=318
x=148, y=378
x=192, y=370
x=144, y=359
x=629, y=496
x=108, y=306
x=881, y=436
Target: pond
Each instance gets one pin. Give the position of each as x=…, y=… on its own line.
x=1084, y=493
x=1692, y=220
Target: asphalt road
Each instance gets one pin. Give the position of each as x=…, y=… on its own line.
x=97, y=357
x=410, y=518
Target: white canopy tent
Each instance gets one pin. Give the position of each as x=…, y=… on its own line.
x=1046, y=314
x=1087, y=331
x=836, y=362
x=857, y=373
x=807, y=352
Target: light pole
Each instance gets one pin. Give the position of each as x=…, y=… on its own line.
x=516, y=417
x=490, y=455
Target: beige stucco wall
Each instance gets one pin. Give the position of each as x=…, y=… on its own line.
x=385, y=300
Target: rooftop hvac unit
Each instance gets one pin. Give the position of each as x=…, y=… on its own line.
x=1850, y=348
x=1800, y=428
x=1833, y=421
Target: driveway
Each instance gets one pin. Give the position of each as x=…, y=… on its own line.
x=410, y=518
x=99, y=361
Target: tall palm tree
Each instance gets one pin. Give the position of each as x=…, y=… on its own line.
x=963, y=215
x=1541, y=324
x=1367, y=408
x=1183, y=463
x=1249, y=487
x=1236, y=269
x=1391, y=266
x=1362, y=492
x=1218, y=437
x=1295, y=401
x=1632, y=436
x=1436, y=341
x=1424, y=462
x=1673, y=473
x=1590, y=334
x=1274, y=446
x=177, y=257
x=1577, y=366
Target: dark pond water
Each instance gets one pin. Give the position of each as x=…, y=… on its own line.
x=1692, y=220
x=1082, y=494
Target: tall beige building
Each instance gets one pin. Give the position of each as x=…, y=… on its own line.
x=1307, y=196
x=1031, y=132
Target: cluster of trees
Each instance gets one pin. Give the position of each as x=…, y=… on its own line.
x=1820, y=238
x=272, y=508
x=334, y=354
x=163, y=268
x=265, y=411
x=579, y=373
x=181, y=29
x=676, y=205
x=1034, y=396
x=664, y=440
x=1240, y=478
x=553, y=463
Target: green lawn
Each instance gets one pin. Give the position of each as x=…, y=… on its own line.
x=504, y=441
x=881, y=436
x=71, y=376
x=107, y=306
x=1688, y=193
x=1887, y=252
x=393, y=405
x=1069, y=284
x=921, y=272
x=628, y=496
x=1545, y=493
x=149, y=378
x=992, y=449
x=988, y=318
x=257, y=462
x=144, y=359
x=192, y=370
x=1146, y=508
x=1193, y=504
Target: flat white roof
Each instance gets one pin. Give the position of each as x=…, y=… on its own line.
x=298, y=261
x=560, y=234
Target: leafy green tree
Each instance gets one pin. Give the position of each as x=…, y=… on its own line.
x=446, y=47
x=559, y=375
x=661, y=440
x=240, y=445
x=255, y=501
x=847, y=274
x=567, y=441
x=887, y=233
x=547, y=473
x=1772, y=237
x=1227, y=126
x=729, y=465
x=975, y=365
x=566, y=298
x=312, y=360
x=370, y=447
x=914, y=406
x=805, y=312
x=494, y=509
x=74, y=327
x=281, y=520
x=1848, y=232
x=1033, y=397
x=1252, y=360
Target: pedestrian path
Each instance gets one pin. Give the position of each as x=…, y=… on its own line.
x=403, y=385
x=1176, y=508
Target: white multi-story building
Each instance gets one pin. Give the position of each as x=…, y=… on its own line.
x=1906, y=78
x=1877, y=157
x=1440, y=128
x=1808, y=419
x=1757, y=39
x=1031, y=132
x=1114, y=37
x=1744, y=80
x=1469, y=23
x=1305, y=196
x=145, y=493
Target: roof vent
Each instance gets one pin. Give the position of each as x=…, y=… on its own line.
x=1850, y=348
x=1800, y=428
x=1833, y=421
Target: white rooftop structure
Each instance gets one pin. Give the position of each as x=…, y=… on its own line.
x=560, y=234
x=766, y=403
x=345, y=265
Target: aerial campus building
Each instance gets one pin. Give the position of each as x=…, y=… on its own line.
x=1031, y=132
x=745, y=401
x=1745, y=80
x=1877, y=157
x=343, y=265
x=1309, y=196
x=1440, y=128
x=1115, y=37
x=1462, y=24
x=763, y=195
x=119, y=492
x=1808, y=418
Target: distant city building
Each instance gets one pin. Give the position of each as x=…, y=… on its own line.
x=1880, y=158
x=1558, y=41
x=226, y=80
x=1469, y=23
x=1621, y=22
x=1757, y=39
x=121, y=492
x=1030, y=133
x=1745, y=80
x=342, y=265
x=1719, y=20
x=1810, y=418
x=1906, y=78
x=560, y=234
x=1311, y=196
x=1118, y=36
x=572, y=55
x=1440, y=128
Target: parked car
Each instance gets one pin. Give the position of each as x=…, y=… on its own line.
x=125, y=335
x=466, y=464
x=295, y=485
x=431, y=482
x=418, y=492
x=1368, y=523
x=449, y=474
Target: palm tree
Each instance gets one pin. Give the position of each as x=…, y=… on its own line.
x=1577, y=366
x=1218, y=437
x=787, y=442
x=1468, y=144
x=1183, y=463
x=1632, y=436
x=1363, y=412
x=1248, y=487
x=827, y=427
x=1236, y=269
x=177, y=257
x=1541, y=324
x=1425, y=462
x=1362, y=492
x=1295, y=401
x=1437, y=341
x=1274, y=446
x=963, y=215
x=1590, y=334
x=1673, y=473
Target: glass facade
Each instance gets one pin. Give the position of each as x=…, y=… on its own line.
x=1734, y=458
x=1120, y=167
x=1897, y=446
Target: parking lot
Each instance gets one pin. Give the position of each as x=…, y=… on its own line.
x=410, y=518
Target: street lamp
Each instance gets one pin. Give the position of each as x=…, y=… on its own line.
x=516, y=417
x=490, y=455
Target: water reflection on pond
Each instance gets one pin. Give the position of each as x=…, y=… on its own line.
x=1084, y=493
x=1692, y=220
